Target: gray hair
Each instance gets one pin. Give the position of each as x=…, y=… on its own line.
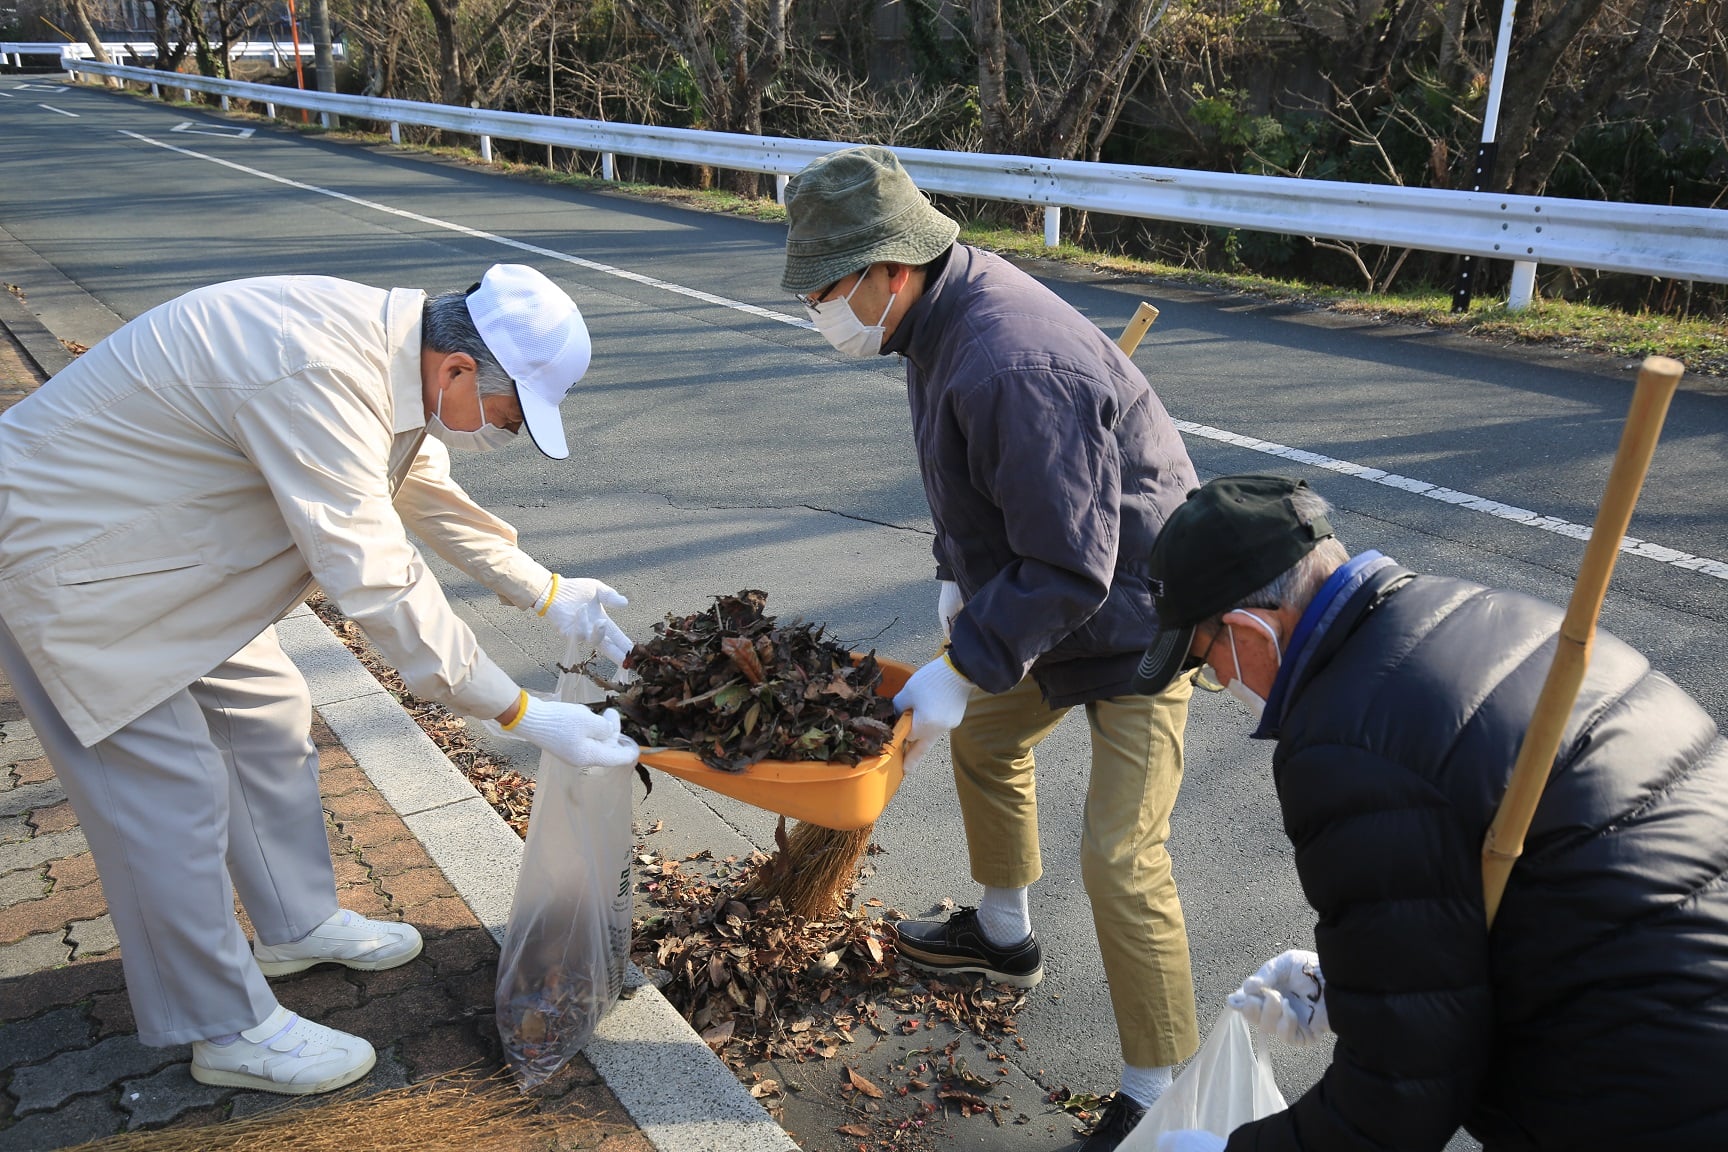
x=1296, y=586
x=447, y=326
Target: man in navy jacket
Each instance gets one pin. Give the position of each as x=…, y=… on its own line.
x=1049, y=465
x=1595, y=1013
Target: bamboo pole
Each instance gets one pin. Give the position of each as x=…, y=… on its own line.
x=1136, y=330
x=1657, y=379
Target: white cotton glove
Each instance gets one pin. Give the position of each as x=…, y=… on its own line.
x=948, y=605
x=1286, y=998
x=587, y=740
x=936, y=695
x=1190, y=1140
x=578, y=610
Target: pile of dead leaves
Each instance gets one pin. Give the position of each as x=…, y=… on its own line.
x=735, y=687
x=759, y=984
x=509, y=792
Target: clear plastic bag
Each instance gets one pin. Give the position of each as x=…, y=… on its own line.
x=1226, y=1085
x=568, y=941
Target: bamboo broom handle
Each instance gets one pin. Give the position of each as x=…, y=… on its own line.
x=1136, y=330
x=1657, y=379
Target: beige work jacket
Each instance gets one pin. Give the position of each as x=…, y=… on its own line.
x=175, y=490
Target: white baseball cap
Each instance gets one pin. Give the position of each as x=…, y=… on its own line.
x=534, y=330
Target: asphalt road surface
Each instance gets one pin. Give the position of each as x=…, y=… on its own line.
x=719, y=444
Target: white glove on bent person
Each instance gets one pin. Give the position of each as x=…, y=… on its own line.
x=1286, y=998
x=575, y=734
x=1190, y=1140
x=577, y=607
x=936, y=695
x=948, y=605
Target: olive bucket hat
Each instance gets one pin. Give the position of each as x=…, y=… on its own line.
x=855, y=208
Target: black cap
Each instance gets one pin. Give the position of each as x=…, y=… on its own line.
x=1233, y=536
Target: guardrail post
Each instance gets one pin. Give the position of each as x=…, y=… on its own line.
x=187, y=92
x=608, y=166
x=1052, y=226
x=156, y=90
x=270, y=110
x=395, y=132
x=224, y=102
x=486, y=149
x=324, y=119
x=780, y=180
x=1523, y=285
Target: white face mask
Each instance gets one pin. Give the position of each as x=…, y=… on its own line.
x=482, y=439
x=1250, y=699
x=841, y=327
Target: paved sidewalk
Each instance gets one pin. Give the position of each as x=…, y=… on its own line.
x=411, y=841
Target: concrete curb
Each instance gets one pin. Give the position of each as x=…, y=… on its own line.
x=672, y=1084
x=47, y=353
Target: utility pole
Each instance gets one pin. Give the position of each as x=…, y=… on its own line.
x=323, y=59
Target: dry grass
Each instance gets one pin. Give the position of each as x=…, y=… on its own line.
x=463, y=1111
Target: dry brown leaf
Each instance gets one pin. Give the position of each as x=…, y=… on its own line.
x=716, y=1036
x=765, y=1088
x=863, y=1085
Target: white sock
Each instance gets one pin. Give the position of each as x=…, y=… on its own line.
x=1004, y=917
x=1145, y=1085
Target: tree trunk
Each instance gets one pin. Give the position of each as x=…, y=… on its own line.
x=1530, y=71
x=454, y=86
x=1117, y=42
x=81, y=21
x=990, y=41
x=1577, y=108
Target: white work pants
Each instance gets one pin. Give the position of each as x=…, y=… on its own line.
x=214, y=790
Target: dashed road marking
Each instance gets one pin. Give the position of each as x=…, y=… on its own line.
x=62, y=111
x=226, y=131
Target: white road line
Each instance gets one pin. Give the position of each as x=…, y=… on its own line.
x=1524, y=516
x=8, y=95
x=62, y=111
x=549, y=253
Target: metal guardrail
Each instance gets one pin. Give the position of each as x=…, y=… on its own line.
x=12, y=50
x=1644, y=239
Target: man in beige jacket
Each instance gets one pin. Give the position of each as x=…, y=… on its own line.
x=169, y=496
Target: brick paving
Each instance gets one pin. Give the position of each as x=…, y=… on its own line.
x=71, y=1068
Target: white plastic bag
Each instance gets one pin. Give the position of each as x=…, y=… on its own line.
x=568, y=941
x=1226, y=1085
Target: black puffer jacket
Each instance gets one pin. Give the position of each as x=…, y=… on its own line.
x=1596, y=1015
x=1050, y=466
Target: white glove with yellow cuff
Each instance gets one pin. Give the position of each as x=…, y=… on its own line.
x=577, y=607
x=587, y=740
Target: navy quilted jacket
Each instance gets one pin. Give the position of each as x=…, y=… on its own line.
x=1596, y=1013
x=1050, y=466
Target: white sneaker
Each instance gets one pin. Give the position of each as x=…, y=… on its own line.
x=346, y=938
x=285, y=1054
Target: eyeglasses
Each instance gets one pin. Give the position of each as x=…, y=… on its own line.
x=1199, y=664
x=819, y=297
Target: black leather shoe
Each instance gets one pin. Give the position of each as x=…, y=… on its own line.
x=1120, y=1116
x=958, y=945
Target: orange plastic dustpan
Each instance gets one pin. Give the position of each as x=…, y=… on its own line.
x=838, y=796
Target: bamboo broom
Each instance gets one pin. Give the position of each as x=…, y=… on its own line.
x=1657, y=379
x=813, y=868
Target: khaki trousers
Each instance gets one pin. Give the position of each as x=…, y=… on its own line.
x=214, y=790
x=1136, y=772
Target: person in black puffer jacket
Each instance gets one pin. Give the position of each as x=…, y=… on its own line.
x=1595, y=1013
